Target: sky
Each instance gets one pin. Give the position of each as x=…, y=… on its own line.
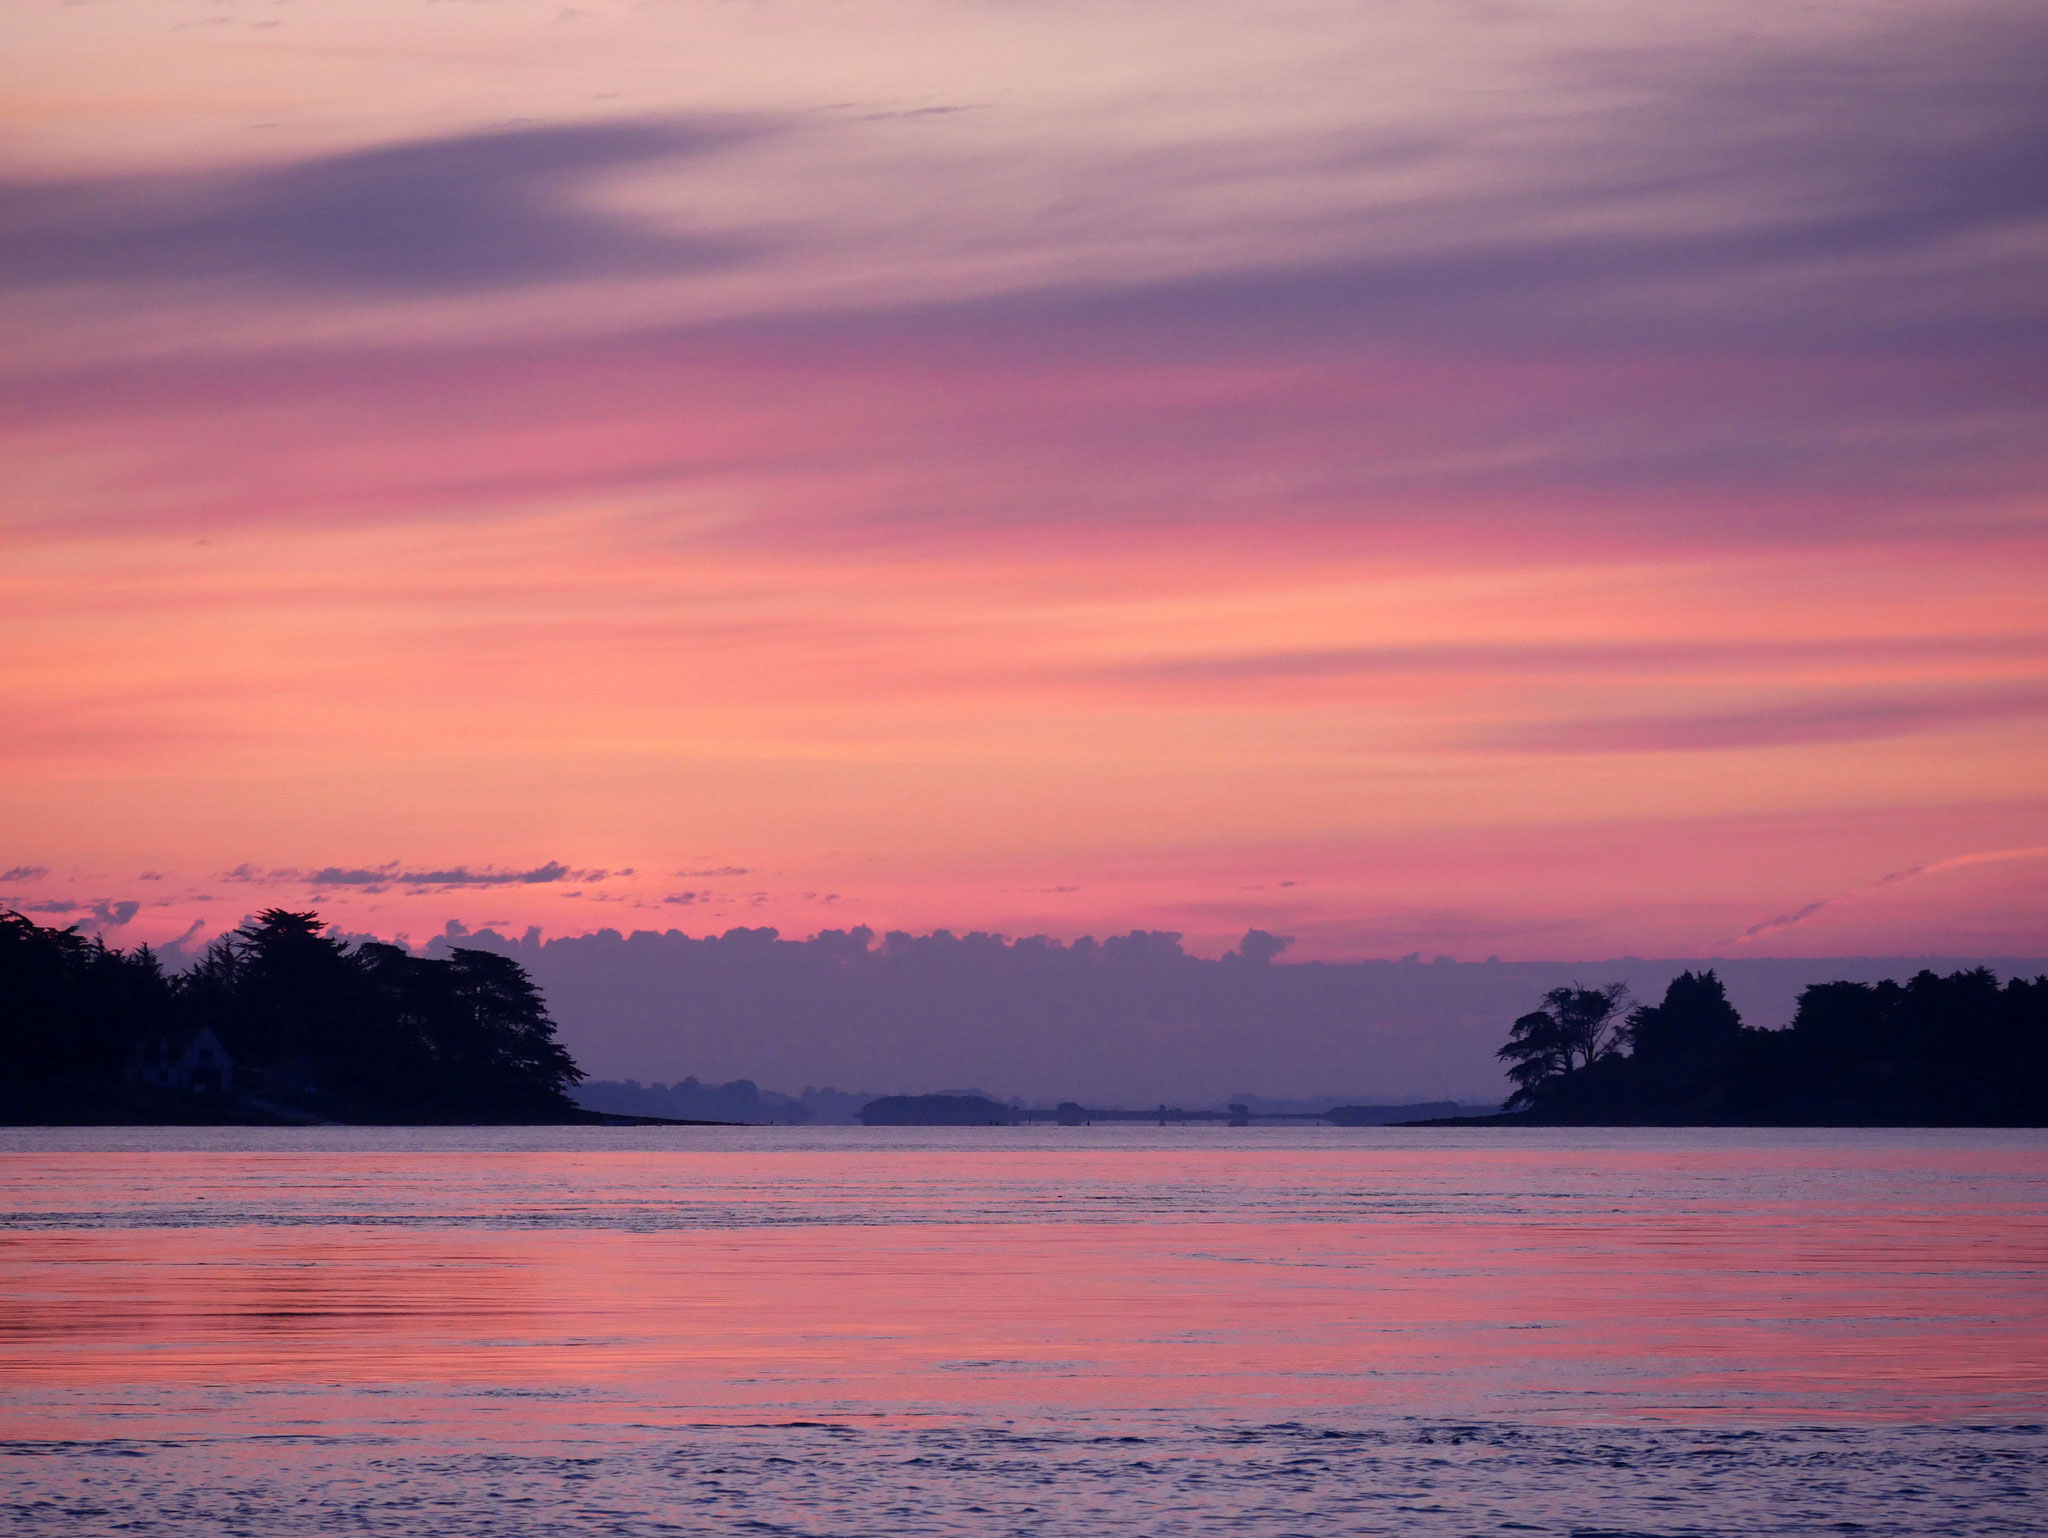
x=1494, y=478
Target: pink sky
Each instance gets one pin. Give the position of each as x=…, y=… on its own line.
x=1527, y=479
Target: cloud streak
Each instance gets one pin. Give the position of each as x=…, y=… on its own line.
x=1797, y=723
x=105, y=913
x=1708, y=654
x=493, y=209
x=1798, y=916
x=395, y=874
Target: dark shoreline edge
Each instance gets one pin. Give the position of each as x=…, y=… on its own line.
x=1526, y=1119
x=125, y=1117
x=1504, y=1121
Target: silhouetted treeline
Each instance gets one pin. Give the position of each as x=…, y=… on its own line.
x=311, y=1025
x=1958, y=1050
x=71, y=1011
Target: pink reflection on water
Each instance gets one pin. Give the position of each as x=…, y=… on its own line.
x=1318, y=1276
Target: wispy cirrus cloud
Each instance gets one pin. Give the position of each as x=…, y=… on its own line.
x=1709, y=653
x=1819, y=720
x=395, y=873
x=1799, y=916
x=488, y=209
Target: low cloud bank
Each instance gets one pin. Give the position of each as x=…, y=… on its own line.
x=1129, y=1020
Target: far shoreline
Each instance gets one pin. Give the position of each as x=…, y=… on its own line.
x=144, y=1119
x=1504, y=1121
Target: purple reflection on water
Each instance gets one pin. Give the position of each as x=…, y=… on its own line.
x=421, y=1300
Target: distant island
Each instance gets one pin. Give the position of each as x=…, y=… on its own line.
x=980, y=1111
x=736, y=1100
x=939, y=1111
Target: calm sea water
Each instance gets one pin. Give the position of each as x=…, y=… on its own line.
x=1049, y=1331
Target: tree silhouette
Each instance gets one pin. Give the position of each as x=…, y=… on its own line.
x=500, y=1042
x=1695, y=1018
x=70, y=1010
x=1574, y=1029
x=284, y=991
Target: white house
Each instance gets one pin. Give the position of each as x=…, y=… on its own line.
x=198, y=1063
